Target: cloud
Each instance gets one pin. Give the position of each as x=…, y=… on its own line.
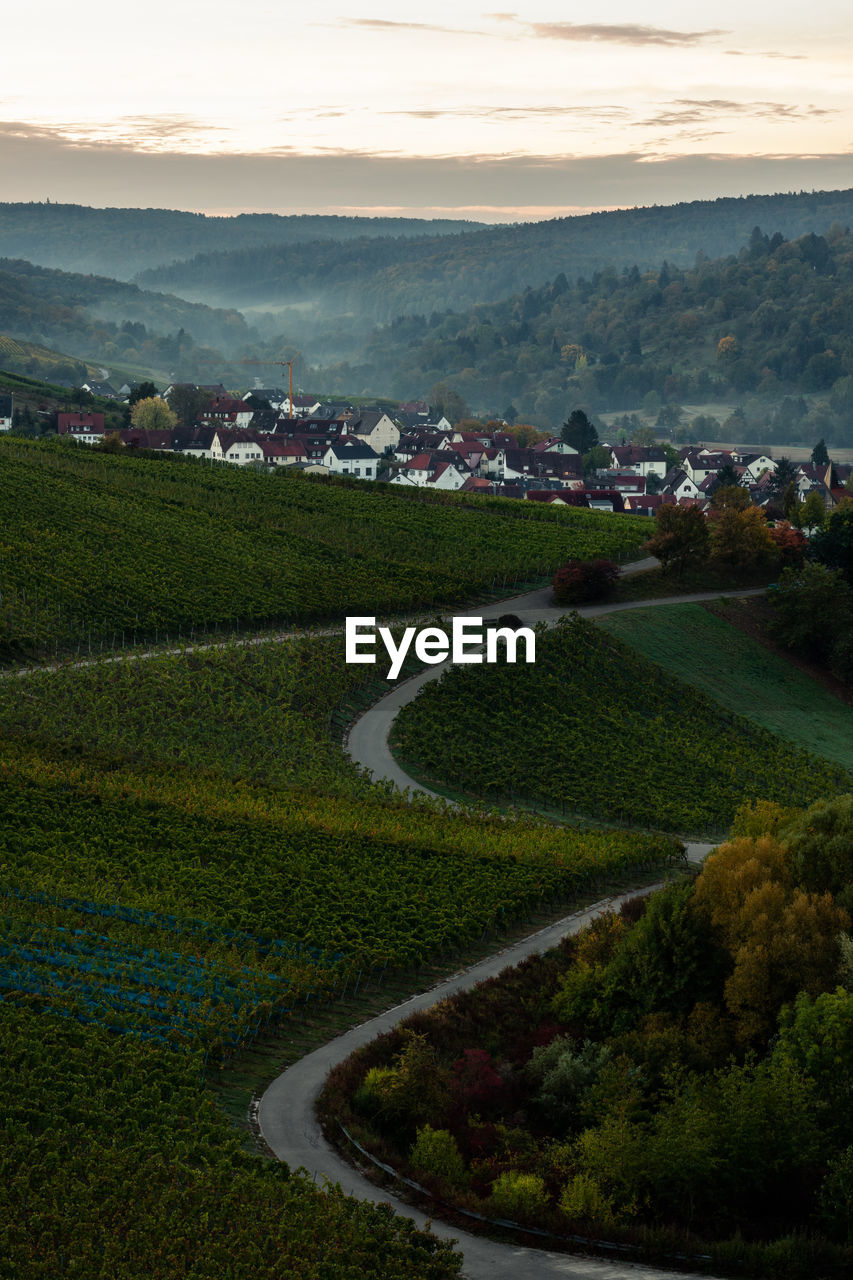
x=387, y=24
x=37, y=163
x=621, y=33
x=158, y=133
x=686, y=111
x=764, y=53
x=607, y=114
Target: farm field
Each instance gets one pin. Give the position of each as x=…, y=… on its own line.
x=615, y=737
x=101, y=551
x=188, y=861
x=741, y=674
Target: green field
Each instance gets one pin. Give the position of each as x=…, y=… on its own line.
x=740, y=673
x=594, y=728
x=188, y=865
x=99, y=551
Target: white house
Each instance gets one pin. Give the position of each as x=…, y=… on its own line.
x=6, y=411
x=345, y=459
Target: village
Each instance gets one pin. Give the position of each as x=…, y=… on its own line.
x=415, y=447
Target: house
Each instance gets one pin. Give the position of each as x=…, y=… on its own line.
x=304, y=406
x=679, y=484
x=274, y=396
x=238, y=447
x=447, y=476
x=373, y=427
x=159, y=438
x=102, y=389
x=7, y=411
x=197, y=442
x=643, y=460
x=553, y=444
x=347, y=458
x=88, y=428
x=229, y=412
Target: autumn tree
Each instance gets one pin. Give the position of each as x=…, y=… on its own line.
x=680, y=539
x=740, y=539
x=153, y=414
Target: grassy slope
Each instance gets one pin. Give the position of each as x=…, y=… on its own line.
x=740, y=673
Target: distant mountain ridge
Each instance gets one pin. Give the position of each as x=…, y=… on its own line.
x=123, y=242
x=380, y=279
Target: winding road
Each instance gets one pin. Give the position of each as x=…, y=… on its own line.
x=286, y=1110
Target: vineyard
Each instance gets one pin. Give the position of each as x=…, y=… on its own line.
x=114, y=1165
x=100, y=552
x=187, y=862
x=595, y=729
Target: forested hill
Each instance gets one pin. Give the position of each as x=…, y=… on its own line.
x=379, y=279
x=95, y=318
x=122, y=242
x=774, y=319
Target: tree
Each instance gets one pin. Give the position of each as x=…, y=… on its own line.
x=144, y=391
x=579, y=432
x=820, y=845
x=188, y=402
x=580, y=581
x=680, y=539
x=727, y=476
x=598, y=459
x=812, y=609
x=820, y=454
x=444, y=401
x=740, y=539
x=644, y=435
x=833, y=544
x=784, y=474
x=730, y=497
x=153, y=414
x=813, y=511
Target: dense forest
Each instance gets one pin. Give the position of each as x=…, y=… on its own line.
x=121, y=242
x=772, y=321
x=378, y=279
x=94, y=318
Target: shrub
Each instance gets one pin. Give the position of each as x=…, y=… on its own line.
x=581, y=581
x=436, y=1154
x=518, y=1195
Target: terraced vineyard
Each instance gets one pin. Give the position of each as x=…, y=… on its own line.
x=99, y=551
x=595, y=729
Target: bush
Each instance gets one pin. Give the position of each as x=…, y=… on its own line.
x=436, y=1154
x=582, y=581
x=519, y=1195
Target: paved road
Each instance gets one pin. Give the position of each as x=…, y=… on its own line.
x=290, y=1128
x=286, y=1112
x=367, y=739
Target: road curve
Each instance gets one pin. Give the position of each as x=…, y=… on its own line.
x=290, y=1128
x=286, y=1110
x=367, y=741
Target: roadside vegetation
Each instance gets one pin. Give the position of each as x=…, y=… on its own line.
x=673, y=1080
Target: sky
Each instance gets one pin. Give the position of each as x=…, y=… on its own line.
x=447, y=110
